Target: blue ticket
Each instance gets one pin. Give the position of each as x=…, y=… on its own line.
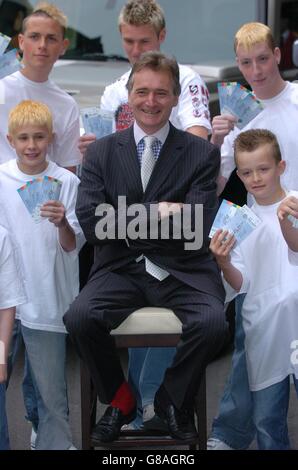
x=4, y=41
x=226, y=212
x=9, y=63
x=96, y=121
x=236, y=100
x=38, y=191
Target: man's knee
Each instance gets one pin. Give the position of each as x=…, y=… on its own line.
x=211, y=327
x=77, y=319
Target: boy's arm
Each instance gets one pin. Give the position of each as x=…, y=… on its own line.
x=56, y=213
x=7, y=316
x=221, y=245
x=289, y=206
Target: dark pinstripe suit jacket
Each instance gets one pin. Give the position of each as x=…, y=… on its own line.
x=186, y=171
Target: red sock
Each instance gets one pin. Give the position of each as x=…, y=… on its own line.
x=124, y=399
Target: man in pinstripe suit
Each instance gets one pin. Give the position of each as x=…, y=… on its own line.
x=129, y=272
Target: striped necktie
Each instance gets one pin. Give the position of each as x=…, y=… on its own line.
x=147, y=165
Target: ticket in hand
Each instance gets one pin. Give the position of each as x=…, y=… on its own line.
x=9, y=63
x=96, y=121
x=239, y=221
x=4, y=41
x=243, y=223
x=237, y=100
x=293, y=220
x=226, y=212
x=38, y=191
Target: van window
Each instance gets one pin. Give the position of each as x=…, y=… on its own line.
x=197, y=30
x=289, y=32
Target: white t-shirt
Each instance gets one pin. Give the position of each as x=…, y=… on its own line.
x=293, y=256
x=192, y=108
x=280, y=116
x=270, y=308
x=64, y=149
x=51, y=275
x=12, y=291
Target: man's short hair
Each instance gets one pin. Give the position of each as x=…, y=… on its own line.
x=158, y=62
x=252, y=139
x=47, y=10
x=253, y=33
x=142, y=12
x=32, y=113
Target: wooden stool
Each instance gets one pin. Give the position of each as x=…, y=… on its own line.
x=146, y=327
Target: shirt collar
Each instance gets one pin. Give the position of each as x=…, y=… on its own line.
x=161, y=134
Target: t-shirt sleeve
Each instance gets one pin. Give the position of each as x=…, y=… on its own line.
x=12, y=291
x=66, y=152
x=237, y=261
x=293, y=256
x=193, y=103
x=227, y=164
x=69, y=201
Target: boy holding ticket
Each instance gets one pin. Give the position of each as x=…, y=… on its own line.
x=259, y=267
x=48, y=247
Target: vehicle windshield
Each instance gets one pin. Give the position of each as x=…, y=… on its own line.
x=191, y=35
x=197, y=31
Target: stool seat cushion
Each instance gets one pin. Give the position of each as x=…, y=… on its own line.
x=150, y=320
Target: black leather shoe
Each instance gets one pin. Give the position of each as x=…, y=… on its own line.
x=180, y=422
x=108, y=427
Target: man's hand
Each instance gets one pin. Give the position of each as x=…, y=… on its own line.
x=289, y=206
x=165, y=209
x=84, y=141
x=221, y=126
x=221, y=244
x=55, y=212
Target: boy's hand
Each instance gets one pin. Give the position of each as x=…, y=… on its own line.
x=84, y=141
x=222, y=125
x=221, y=244
x=288, y=206
x=55, y=212
x=3, y=373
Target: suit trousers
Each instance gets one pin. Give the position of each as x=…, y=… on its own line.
x=110, y=297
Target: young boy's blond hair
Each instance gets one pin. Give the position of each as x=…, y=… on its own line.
x=47, y=10
x=32, y=113
x=253, y=33
x=252, y=139
x=141, y=13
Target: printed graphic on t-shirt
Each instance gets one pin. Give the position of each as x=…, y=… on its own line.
x=123, y=117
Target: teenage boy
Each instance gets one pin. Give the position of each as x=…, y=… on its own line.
x=258, y=59
x=42, y=42
x=52, y=281
x=142, y=28
x=269, y=280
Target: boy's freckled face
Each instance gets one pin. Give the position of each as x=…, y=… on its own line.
x=260, y=173
x=31, y=145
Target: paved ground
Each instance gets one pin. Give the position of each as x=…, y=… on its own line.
x=216, y=376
